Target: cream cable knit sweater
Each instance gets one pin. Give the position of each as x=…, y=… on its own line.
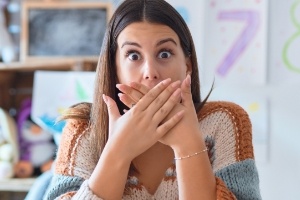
x=227, y=132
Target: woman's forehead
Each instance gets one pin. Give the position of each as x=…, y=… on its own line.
x=140, y=31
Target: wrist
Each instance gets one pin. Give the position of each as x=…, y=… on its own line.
x=114, y=156
x=189, y=147
x=191, y=155
x=111, y=167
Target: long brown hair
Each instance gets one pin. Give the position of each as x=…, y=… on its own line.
x=130, y=11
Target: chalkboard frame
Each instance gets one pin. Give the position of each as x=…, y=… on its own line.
x=27, y=6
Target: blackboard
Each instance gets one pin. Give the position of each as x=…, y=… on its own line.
x=63, y=30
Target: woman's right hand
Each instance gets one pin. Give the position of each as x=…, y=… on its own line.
x=143, y=125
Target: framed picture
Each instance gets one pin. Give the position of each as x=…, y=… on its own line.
x=47, y=106
x=63, y=30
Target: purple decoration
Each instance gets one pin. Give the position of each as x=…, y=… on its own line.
x=252, y=20
x=24, y=114
x=3, y=4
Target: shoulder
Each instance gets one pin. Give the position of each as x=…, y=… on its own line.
x=235, y=111
x=73, y=130
x=228, y=130
x=75, y=126
x=74, y=149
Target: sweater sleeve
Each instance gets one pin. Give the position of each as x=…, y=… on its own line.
x=73, y=165
x=228, y=136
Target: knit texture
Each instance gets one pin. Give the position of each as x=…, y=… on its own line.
x=226, y=129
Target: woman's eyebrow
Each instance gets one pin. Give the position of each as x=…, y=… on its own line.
x=158, y=44
x=166, y=40
x=131, y=43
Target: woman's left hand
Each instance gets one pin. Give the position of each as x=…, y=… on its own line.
x=186, y=134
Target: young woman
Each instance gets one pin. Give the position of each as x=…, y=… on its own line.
x=148, y=134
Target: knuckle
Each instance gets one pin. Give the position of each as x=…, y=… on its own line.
x=170, y=89
x=163, y=111
x=134, y=111
x=158, y=101
x=136, y=85
x=161, y=86
x=137, y=98
x=152, y=94
x=174, y=100
x=129, y=90
x=109, y=107
x=186, y=92
x=166, y=127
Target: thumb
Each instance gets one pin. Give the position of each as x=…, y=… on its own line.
x=186, y=94
x=112, y=108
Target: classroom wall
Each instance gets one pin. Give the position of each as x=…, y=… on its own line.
x=263, y=76
x=261, y=73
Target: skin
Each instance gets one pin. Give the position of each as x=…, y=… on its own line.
x=154, y=75
x=150, y=61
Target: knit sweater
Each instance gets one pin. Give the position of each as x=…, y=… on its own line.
x=226, y=129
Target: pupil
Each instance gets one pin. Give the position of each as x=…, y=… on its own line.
x=135, y=57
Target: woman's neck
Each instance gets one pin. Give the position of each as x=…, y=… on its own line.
x=158, y=156
x=152, y=165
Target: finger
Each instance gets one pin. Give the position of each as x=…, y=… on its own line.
x=139, y=87
x=125, y=110
x=112, y=108
x=134, y=94
x=125, y=99
x=186, y=94
x=169, y=124
x=152, y=95
x=167, y=107
x=163, y=97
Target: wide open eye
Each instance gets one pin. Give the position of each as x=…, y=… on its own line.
x=133, y=55
x=165, y=54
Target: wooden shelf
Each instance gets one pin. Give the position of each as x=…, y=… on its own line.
x=59, y=64
x=17, y=66
x=16, y=184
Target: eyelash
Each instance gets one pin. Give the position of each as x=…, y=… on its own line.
x=162, y=50
x=130, y=52
x=167, y=50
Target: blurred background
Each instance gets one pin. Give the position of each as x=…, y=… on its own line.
x=249, y=49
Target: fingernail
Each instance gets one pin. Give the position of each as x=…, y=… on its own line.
x=188, y=80
x=165, y=82
x=104, y=98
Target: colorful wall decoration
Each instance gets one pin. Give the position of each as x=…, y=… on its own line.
x=284, y=41
x=54, y=92
x=235, y=41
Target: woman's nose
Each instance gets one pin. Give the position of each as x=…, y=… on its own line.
x=151, y=71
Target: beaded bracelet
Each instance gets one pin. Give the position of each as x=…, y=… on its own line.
x=188, y=156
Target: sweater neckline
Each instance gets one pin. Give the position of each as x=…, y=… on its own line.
x=134, y=183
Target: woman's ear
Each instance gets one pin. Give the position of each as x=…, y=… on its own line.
x=188, y=63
